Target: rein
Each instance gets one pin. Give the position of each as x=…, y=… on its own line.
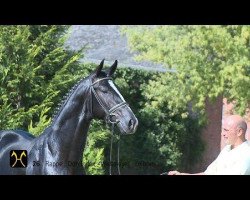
x=109, y=114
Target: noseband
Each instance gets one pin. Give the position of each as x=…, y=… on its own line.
x=108, y=118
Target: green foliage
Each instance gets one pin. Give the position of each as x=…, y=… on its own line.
x=210, y=61
x=162, y=137
x=33, y=63
x=93, y=157
x=42, y=123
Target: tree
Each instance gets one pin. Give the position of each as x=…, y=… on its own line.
x=210, y=61
x=35, y=69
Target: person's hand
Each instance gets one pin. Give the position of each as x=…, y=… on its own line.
x=174, y=173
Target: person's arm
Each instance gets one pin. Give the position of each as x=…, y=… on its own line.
x=179, y=173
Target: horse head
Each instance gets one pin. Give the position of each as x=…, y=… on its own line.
x=108, y=103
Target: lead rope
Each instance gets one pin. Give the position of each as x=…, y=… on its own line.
x=118, y=155
x=118, y=151
x=111, y=145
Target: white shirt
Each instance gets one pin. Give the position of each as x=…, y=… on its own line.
x=231, y=161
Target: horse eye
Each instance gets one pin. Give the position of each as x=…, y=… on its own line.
x=103, y=89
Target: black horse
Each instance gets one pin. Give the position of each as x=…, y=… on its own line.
x=59, y=149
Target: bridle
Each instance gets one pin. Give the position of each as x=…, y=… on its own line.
x=108, y=118
x=109, y=112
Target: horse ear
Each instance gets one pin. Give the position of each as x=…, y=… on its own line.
x=99, y=68
x=112, y=69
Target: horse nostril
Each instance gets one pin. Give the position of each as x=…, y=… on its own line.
x=130, y=124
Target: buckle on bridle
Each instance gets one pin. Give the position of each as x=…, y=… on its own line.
x=111, y=120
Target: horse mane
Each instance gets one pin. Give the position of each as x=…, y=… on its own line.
x=64, y=100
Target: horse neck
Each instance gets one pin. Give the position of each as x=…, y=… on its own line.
x=69, y=129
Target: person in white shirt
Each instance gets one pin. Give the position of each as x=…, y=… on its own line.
x=234, y=159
